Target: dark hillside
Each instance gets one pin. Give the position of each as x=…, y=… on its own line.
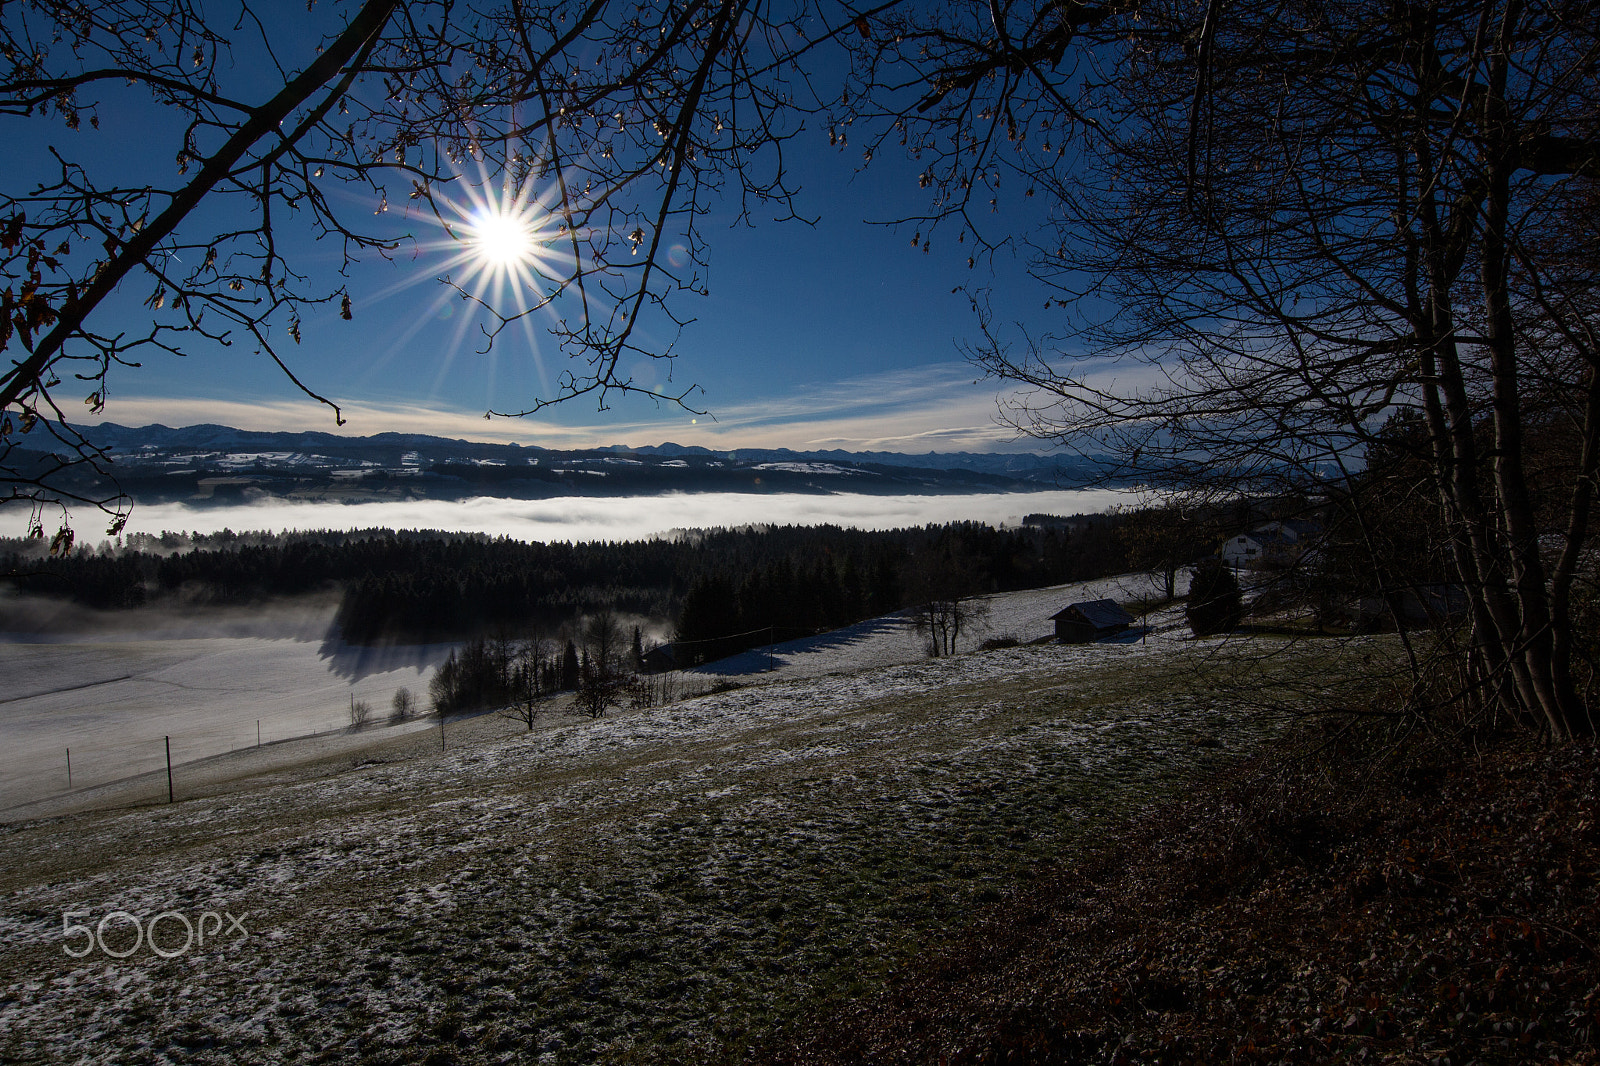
x=1441, y=910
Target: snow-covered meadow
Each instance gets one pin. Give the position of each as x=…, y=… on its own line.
x=640, y=887
x=219, y=681
x=113, y=695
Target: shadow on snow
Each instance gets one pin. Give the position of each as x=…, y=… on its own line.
x=772, y=656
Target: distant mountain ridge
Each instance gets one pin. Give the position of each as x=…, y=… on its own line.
x=1054, y=471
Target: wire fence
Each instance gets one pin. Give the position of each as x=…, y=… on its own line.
x=105, y=761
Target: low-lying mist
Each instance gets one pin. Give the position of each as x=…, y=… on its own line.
x=44, y=618
x=588, y=518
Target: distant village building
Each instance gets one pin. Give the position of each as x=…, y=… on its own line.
x=1079, y=623
x=1273, y=545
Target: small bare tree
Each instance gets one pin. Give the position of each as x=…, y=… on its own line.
x=943, y=620
x=360, y=713
x=598, y=688
x=527, y=688
x=947, y=603
x=403, y=706
x=524, y=709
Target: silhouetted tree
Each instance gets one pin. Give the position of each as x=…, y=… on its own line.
x=1164, y=538
x=402, y=706
x=360, y=713
x=1215, y=603
x=947, y=600
x=570, y=667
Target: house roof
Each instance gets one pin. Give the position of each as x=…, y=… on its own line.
x=1102, y=614
x=1283, y=531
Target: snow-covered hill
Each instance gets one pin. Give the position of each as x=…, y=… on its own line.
x=220, y=684
x=648, y=886
x=893, y=640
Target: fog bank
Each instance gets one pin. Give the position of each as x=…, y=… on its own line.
x=588, y=518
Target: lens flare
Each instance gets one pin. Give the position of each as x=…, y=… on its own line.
x=503, y=240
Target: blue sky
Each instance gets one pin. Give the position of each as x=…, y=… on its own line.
x=837, y=335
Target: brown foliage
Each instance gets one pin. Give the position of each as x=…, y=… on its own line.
x=1439, y=909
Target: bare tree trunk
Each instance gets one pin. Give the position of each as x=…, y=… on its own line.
x=1535, y=636
x=1576, y=533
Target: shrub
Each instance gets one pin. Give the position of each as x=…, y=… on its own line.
x=1215, y=604
x=598, y=689
x=639, y=693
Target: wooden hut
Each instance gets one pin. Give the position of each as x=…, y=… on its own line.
x=659, y=659
x=1079, y=623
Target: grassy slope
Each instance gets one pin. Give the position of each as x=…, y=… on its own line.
x=648, y=887
x=1441, y=905
x=681, y=884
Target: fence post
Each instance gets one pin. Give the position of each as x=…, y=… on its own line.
x=69, y=769
x=169, y=769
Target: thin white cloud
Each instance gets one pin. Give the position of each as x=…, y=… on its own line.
x=930, y=408
x=948, y=439
x=361, y=419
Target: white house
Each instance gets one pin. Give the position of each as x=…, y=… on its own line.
x=1275, y=544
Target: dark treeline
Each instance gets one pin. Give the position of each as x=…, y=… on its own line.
x=818, y=579
x=488, y=672
x=416, y=586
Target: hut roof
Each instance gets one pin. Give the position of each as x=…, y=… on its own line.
x=1102, y=614
x=662, y=654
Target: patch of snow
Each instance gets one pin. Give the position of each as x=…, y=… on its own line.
x=113, y=702
x=806, y=468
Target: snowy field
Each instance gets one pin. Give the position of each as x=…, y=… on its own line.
x=113, y=698
x=645, y=887
x=892, y=640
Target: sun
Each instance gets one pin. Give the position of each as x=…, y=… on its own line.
x=507, y=249
x=501, y=240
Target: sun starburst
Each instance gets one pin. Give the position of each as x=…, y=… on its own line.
x=506, y=247
x=505, y=241
x=501, y=241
